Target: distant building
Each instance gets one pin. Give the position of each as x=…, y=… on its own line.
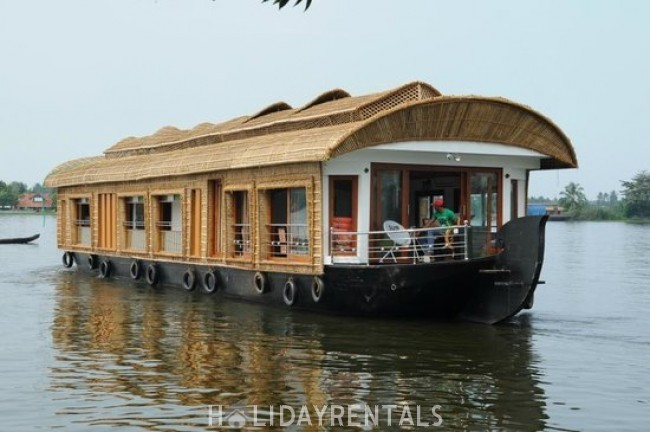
x=35, y=201
x=536, y=209
x=553, y=210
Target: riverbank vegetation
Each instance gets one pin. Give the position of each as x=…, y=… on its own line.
x=631, y=204
x=10, y=193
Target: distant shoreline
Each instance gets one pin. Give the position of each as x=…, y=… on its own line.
x=27, y=212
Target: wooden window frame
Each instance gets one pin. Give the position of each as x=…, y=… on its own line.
x=73, y=222
x=215, y=218
x=154, y=223
x=230, y=224
x=122, y=208
x=266, y=201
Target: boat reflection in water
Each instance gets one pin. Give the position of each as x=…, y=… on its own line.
x=131, y=357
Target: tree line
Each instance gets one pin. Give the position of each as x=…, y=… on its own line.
x=10, y=193
x=634, y=203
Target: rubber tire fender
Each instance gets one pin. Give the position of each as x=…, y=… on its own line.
x=290, y=292
x=134, y=270
x=189, y=280
x=260, y=282
x=210, y=282
x=68, y=259
x=105, y=268
x=151, y=274
x=317, y=289
x=92, y=262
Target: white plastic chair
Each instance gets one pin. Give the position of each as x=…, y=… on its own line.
x=398, y=236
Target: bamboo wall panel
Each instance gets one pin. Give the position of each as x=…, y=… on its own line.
x=61, y=223
x=107, y=221
x=302, y=175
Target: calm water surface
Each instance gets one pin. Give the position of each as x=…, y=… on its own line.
x=78, y=353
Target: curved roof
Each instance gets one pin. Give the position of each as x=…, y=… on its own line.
x=465, y=118
x=413, y=112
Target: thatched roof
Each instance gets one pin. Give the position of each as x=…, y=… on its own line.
x=331, y=125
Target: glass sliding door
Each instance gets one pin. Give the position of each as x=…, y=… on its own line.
x=484, y=203
x=389, y=197
x=484, y=200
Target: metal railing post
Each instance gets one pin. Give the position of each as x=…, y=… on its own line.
x=331, y=242
x=466, y=243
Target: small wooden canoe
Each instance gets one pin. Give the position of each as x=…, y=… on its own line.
x=19, y=240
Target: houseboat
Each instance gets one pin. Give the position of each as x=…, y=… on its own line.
x=322, y=207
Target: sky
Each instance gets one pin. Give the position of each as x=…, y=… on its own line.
x=77, y=76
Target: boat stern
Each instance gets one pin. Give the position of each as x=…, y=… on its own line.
x=509, y=287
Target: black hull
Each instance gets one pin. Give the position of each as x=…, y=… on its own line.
x=486, y=290
x=436, y=290
x=19, y=240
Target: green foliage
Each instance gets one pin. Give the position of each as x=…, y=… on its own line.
x=573, y=198
x=9, y=193
x=637, y=196
x=283, y=3
x=7, y=197
x=38, y=188
x=596, y=212
x=18, y=187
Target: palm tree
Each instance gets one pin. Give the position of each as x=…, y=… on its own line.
x=573, y=197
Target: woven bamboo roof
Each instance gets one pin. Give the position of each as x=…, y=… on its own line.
x=331, y=125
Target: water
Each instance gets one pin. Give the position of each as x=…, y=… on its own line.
x=79, y=353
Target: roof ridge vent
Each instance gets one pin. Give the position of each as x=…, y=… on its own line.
x=273, y=108
x=328, y=96
x=411, y=92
